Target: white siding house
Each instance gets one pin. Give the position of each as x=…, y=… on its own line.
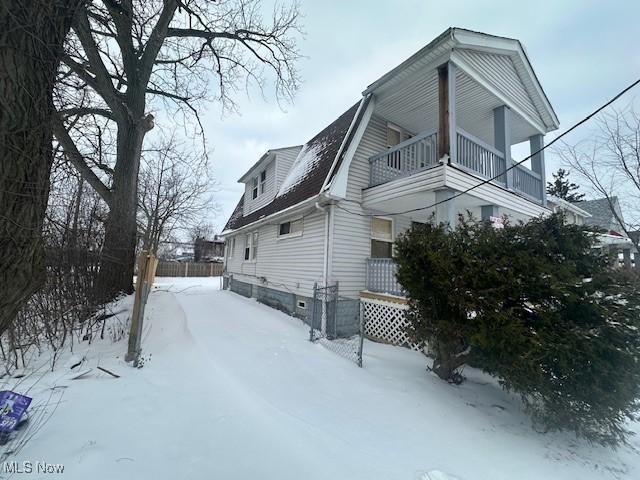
x=430, y=139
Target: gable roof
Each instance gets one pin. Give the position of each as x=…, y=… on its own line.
x=455, y=40
x=320, y=158
x=308, y=173
x=565, y=205
x=601, y=213
x=264, y=160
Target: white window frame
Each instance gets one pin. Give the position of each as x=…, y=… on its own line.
x=380, y=239
x=302, y=304
x=232, y=247
x=391, y=126
x=254, y=246
x=251, y=245
x=389, y=219
x=294, y=234
x=254, y=188
x=263, y=183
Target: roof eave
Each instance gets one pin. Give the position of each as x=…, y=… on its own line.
x=284, y=212
x=265, y=158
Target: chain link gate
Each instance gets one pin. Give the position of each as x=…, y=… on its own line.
x=336, y=323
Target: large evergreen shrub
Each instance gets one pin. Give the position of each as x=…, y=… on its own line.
x=535, y=305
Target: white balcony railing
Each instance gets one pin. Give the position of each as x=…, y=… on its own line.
x=381, y=276
x=409, y=157
x=475, y=155
x=472, y=154
x=527, y=182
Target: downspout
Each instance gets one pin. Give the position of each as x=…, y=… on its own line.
x=325, y=266
x=325, y=263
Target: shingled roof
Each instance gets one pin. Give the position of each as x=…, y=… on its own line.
x=601, y=214
x=318, y=155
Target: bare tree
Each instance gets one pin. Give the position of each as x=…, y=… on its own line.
x=126, y=58
x=203, y=230
x=174, y=192
x=32, y=34
x=609, y=162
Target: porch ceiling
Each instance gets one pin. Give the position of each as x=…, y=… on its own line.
x=413, y=105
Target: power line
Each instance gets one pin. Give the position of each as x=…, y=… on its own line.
x=488, y=180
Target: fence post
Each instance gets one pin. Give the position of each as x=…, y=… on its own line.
x=361, y=304
x=186, y=269
x=134, y=340
x=313, y=311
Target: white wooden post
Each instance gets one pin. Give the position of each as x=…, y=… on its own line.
x=502, y=134
x=536, y=143
x=446, y=211
x=186, y=268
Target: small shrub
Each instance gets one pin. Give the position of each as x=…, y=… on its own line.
x=535, y=305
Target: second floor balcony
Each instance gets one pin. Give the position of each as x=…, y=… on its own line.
x=420, y=153
x=452, y=118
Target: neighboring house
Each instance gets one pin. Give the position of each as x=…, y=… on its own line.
x=613, y=236
x=603, y=216
x=209, y=250
x=439, y=123
x=573, y=214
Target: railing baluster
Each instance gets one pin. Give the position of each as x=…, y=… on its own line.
x=381, y=276
x=403, y=159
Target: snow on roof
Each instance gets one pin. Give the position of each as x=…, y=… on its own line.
x=304, y=164
x=306, y=175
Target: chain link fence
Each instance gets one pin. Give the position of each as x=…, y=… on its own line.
x=336, y=323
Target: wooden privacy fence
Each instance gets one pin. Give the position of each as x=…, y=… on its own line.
x=189, y=269
x=146, y=271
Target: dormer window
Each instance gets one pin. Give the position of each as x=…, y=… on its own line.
x=259, y=184
x=254, y=190
x=263, y=181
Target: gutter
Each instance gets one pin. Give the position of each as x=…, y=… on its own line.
x=287, y=211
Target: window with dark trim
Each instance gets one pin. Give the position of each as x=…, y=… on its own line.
x=290, y=229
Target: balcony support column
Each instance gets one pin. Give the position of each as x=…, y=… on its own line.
x=502, y=136
x=446, y=211
x=536, y=143
x=447, y=111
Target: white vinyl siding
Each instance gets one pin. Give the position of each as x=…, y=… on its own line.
x=284, y=160
x=291, y=264
x=266, y=190
x=291, y=228
x=351, y=233
x=501, y=73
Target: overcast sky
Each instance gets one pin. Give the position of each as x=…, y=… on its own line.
x=582, y=51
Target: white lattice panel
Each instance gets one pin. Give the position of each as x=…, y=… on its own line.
x=387, y=321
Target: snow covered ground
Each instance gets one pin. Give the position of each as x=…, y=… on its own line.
x=232, y=389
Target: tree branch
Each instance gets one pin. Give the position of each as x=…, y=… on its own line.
x=77, y=160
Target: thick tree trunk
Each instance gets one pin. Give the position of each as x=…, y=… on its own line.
x=118, y=253
x=447, y=361
x=31, y=40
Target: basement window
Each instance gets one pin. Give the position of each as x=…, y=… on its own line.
x=302, y=304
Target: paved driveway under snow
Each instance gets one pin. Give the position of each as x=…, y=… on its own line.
x=234, y=390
